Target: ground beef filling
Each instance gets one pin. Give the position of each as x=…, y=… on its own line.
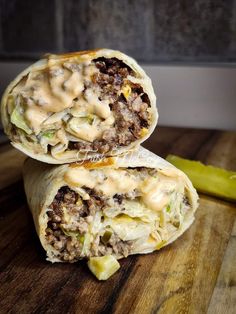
x=67, y=235
x=130, y=113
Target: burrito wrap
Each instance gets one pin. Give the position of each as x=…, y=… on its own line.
x=66, y=107
x=130, y=204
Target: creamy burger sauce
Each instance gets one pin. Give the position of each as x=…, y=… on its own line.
x=73, y=101
x=154, y=191
x=54, y=90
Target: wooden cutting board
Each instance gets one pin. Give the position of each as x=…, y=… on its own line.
x=195, y=274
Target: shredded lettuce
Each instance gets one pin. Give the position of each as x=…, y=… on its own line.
x=75, y=122
x=134, y=208
x=130, y=229
x=162, y=221
x=87, y=119
x=86, y=244
x=161, y=244
x=18, y=120
x=10, y=104
x=49, y=134
x=90, y=118
x=168, y=208
x=70, y=233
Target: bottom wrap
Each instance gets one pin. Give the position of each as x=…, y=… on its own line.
x=130, y=204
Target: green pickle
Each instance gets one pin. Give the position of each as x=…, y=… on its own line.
x=106, y=236
x=81, y=238
x=207, y=179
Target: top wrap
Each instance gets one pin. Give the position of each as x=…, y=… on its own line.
x=75, y=106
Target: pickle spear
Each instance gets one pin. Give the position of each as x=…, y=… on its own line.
x=207, y=179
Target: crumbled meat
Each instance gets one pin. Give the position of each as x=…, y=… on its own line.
x=113, y=67
x=81, y=146
x=101, y=146
x=56, y=233
x=118, y=198
x=120, y=247
x=63, y=196
x=59, y=232
x=114, y=246
x=110, y=134
x=186, y=201
x=127, y=123
x=131, y=113
x=132, y=195
x=81, y=213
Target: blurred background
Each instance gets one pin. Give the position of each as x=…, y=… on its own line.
x=187, y=47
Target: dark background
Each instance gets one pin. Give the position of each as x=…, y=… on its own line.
x=151, y=31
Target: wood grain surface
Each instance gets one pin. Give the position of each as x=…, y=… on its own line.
x=195, y=274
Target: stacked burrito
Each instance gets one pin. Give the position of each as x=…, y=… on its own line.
x=107, y=197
